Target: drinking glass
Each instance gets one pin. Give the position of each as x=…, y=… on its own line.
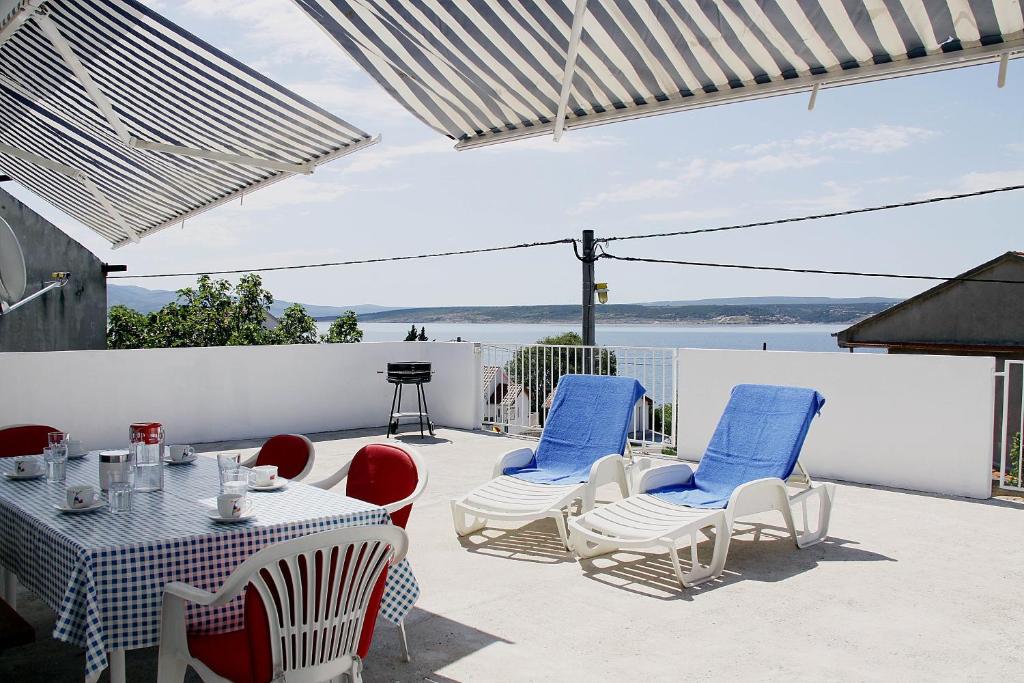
x=120, y=490
x=236, y=481
x=54, y=438
x=56, y=458
x=228, y=463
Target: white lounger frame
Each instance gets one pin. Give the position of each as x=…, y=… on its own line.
x=511, y=499
x=645, y=521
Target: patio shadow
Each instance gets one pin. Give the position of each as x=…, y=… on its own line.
x=434, y=643
x=534, y=542
x=757, y=552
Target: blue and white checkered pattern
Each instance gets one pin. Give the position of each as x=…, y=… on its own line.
x=104, y=574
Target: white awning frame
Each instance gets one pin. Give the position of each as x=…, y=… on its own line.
x=1000, y=53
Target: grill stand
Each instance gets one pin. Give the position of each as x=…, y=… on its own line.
x=422, y=411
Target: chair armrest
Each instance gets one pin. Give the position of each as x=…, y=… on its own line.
x=519, y=457
x=333, y=480
x=251, y=460
x=421, y=486
x=760, y=495
x=189, y=593
x=666, y=475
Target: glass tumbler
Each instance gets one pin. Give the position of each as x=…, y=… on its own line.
x=121, y=485
x=228, y=465
x=56, y=458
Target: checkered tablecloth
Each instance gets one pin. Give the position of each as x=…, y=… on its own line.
x=104, y=574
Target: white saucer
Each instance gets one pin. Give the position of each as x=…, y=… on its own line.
x=22, y=477
x=183, y=461
x=214, y=514
x=63, y=507
x=279, y=483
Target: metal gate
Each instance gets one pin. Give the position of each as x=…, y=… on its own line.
x=1012, y=469
x=518, y=382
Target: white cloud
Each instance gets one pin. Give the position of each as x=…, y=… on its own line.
x=687, y=215
x=384, y=156
x=361, y=105
x=694, y=171
x=571, y=143
x=876, y=140
x=283, y=31
x=833, y=197
x=979, y=180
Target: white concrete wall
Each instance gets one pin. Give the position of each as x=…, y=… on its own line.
x=211, y=394
x=915, y=422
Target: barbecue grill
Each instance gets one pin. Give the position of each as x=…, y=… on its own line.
x=400, y=374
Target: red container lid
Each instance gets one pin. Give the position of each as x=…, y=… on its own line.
x=150, y=431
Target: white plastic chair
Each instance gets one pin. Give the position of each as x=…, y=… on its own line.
x=646, y=521
x=510, y=499
x=369, y=551
x=363, y=492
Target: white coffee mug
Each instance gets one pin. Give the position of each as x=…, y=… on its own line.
x=180, y=452
x=264, y=475
x=81, y=496
x=26, y=466
x=231, y=505
x=75, y=447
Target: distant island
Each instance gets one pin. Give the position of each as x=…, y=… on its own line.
x=641, y=314
x=764, y=310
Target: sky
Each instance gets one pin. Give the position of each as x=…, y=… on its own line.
x=413, y=193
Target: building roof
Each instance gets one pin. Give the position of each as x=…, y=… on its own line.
x=954, y=315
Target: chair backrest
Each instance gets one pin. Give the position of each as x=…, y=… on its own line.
x=590, y=418
x=292, y=453
x=307, y=599
x=383, y=473
x=760, y=434
x=24, y=439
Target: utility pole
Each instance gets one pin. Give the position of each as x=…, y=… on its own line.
x=589, y=329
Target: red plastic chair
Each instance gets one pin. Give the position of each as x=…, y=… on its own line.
x=392, y=476
x=24, y=439
x=292, y=453
x=311, y=577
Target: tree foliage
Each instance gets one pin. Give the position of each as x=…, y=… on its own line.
x=344, y=330
x=539, y=368
x=212, y=313
x=411, y=334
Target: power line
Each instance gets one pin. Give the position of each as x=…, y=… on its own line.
x=383, y=259
x=832, y=214
x=814, y=271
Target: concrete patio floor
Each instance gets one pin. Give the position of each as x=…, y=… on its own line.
x=908, y=587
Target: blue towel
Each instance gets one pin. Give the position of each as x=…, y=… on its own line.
x=589, y=419
x=759, y=435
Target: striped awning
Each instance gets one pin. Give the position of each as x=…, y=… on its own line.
x=130, y=124
x=484, y=71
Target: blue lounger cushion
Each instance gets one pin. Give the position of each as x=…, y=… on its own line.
x=759, y=435
x=589, y=418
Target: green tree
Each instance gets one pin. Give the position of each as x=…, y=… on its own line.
x=411, y=334
x=296, y=327
x=249, y=316
x=344, y=330
x=126, y=328
x=539, y=369
x=422, y=335
x=663, y=419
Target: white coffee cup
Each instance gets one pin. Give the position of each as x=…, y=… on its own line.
x=231, y=505
x=75, y=447
x=28, y=465
x=180, y=452
x=264, y=475
x=80, y=496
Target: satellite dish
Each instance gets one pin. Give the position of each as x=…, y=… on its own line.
x=13, y=277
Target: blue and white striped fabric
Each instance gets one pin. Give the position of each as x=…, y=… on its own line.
x=168, y=88
x=482, y=72
x=104, y=574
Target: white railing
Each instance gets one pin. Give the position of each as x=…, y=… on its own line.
x=518, y=381
x=1012, y=428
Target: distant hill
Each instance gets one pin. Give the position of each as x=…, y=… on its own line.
x=639, y=314
x=148, y=300
x=774, y=300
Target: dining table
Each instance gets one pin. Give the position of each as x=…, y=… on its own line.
x=103, y=573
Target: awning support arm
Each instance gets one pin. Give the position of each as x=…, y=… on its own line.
x=79, y=175
x=814, y=96
x=1004, y=60
x=52, y=32
x=570, y=67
